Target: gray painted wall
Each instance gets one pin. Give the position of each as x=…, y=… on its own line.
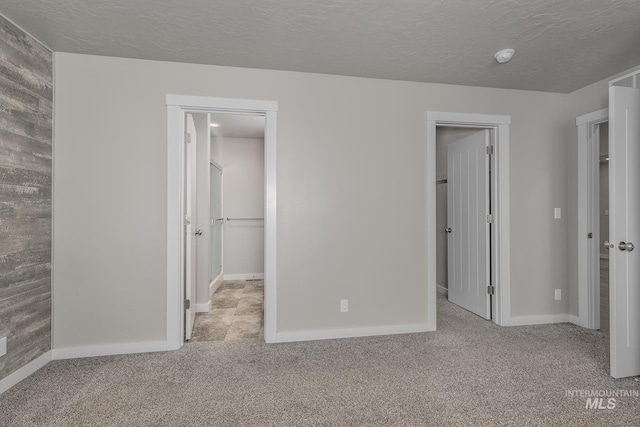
x=351, y=194
x=243, y=197
x=26, y=105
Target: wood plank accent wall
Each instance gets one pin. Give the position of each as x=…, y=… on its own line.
x=26, y=106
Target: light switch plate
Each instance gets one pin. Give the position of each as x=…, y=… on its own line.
x=557, y=213
x=3, y=346
x=558, y=294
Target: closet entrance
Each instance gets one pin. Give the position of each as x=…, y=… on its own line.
x=468, y=246
x=464, y=217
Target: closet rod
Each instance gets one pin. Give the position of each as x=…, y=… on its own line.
x=244, y=219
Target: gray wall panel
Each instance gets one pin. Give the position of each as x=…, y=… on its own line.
x=26, y=100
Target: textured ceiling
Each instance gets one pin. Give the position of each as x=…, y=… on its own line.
x=561, y=45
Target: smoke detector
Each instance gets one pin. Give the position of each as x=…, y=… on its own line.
x=504, y=55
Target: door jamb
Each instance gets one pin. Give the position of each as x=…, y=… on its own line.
x=588, y=218
x=500, y=208
x=177, y=105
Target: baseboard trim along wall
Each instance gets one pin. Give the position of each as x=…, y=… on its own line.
x=542, y=319
x=203, y=308
x=78, y=352
x=246, y=276
x=110, y=349
x=215, y=283
x=326, y=334
x=442, y=290
x=24, y=372
x=576, y=321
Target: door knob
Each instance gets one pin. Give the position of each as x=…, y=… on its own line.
x=198, y=232
x=626, y=246
x=448, y=229
x=608, y=245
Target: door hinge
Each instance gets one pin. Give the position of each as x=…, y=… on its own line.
x=491, y=289
x=187, y=220
x=187, y=138
x=490, y=218
x=489, y=149
x=187, y=304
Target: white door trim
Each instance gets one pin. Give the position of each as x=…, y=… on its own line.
x=588, y=218
x=500, y=207
x=177, y=105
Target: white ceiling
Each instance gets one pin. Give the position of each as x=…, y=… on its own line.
x=238, y=126
x=561, y=45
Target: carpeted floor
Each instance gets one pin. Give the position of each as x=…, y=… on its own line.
x=468, y=373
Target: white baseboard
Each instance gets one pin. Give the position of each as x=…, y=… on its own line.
x=574, y=319
x=215, y=283
x=22, y=373
x=110, y=349
x=203, y=308
x=541, y=319
x=326, y=334
x=78, y=352
x=442, y=290
x=247, y=276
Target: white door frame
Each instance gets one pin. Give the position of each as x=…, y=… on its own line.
x=500, y=248
x=177, y=106
x=589, y=218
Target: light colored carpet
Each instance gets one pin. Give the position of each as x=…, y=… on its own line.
x=468, y=373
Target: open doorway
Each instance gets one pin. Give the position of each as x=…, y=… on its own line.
x=603, y=225
x=230, y=288
x=593, y=220
x=464, y=217
x=622, y=268
x=180, y=227
x=489, y=145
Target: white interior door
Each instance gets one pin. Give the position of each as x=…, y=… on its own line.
x=467, y=210
x=624, y=230
x=190, y=221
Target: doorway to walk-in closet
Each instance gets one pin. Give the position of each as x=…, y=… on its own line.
x=230, y=228
x=463, y=217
